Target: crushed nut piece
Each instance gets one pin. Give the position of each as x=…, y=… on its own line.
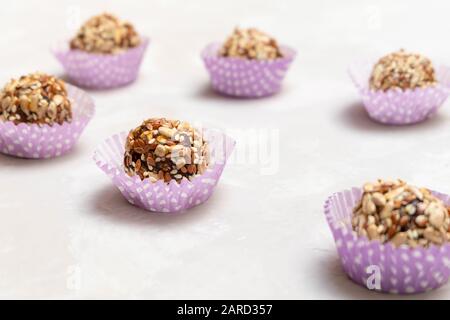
x=402, y=70
x=250, y=44
x=406, y=215
x=36, y=98
x=161, y=149
x=105, y=34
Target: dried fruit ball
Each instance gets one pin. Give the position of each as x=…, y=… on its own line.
x=402, y=70
x=161, y=149
x=105, y=34
x=250, y=44
x=36, y=98
x=393, y=211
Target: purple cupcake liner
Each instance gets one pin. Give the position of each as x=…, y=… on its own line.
x=159, y=196
x=101, y=71
x=396, y=106
x=402, y=270
x=34, y=141
x=246, y=78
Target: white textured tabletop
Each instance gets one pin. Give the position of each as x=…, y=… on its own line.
x=66, y=231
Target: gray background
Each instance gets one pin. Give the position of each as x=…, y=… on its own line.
x=65, y=230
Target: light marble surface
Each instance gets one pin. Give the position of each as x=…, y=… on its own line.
x=66, y=232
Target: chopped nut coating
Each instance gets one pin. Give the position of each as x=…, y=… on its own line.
x=36, y=98
x=250, y=44
x=406, y=215
x=162, y=149
x=105, y=34
x=402, y=70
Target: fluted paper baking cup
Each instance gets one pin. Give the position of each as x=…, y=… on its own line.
x=383, y=267
x=101, y=71
x=43, y=141
x=396, y=106
x=246, y=78
x=163, y=197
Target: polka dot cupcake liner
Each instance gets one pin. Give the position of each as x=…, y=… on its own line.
x=400, y=107
x=159, y=196
x=246, y=78
x=383, y=267
x=101, y=71
x=42, y=142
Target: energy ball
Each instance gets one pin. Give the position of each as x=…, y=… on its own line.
x=35, y=98
x=161, y=149
x=402, y=70
x=250, y=44
x=396, y=212
x=105, y=34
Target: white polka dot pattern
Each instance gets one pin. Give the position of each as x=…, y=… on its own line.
x=400, y=107
x=246, y=78
x=159, y=196
x=102, y=71
x=403, y=270
x=42, y=142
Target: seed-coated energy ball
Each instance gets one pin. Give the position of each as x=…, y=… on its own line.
x=250, y=44
x=105, y=34
x=396, y=212
x=161, y=149
x=35, y=98
x=402, y=70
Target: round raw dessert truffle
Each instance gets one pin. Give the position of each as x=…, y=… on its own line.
x=105, y=34
x=402, y=70
x=36, y=98
x=393, y=211
x=161, y=149
x=250, y=44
